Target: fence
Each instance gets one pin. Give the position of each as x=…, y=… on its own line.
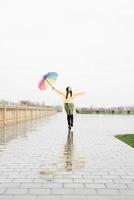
x=15, y=114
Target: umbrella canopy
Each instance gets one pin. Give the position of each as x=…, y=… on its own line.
x=47, y=80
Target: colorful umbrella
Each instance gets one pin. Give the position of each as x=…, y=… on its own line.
x=47, y=80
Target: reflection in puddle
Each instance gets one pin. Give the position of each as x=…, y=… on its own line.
x=11, y=132
x=69, y=161
x=68, y=152
x=20, y=135
x=15, y=131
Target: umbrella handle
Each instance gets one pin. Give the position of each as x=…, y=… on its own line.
x=48, y=82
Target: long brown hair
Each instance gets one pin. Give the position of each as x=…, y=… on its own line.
x=68, y=91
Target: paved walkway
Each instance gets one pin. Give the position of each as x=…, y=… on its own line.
x=39, y=160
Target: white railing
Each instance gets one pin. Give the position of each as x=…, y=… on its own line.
x=15, y=114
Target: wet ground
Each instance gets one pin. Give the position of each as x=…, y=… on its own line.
x=40, y=159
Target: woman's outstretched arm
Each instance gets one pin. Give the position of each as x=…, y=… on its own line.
x=78, y=93
x=58, y=91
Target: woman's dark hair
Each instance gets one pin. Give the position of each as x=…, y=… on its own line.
x=68, y=91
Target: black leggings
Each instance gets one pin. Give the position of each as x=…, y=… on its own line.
x=70, y=120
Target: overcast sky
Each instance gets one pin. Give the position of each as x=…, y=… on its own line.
x=90, y=44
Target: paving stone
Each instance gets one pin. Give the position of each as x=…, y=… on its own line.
x=9, y=185
x=50, y=197
x=16, y=191
x=2, y=190
x=24, y=197
x=74, y=197
x=107, y=192
x=44, y=180
x=103, y=180
x=22, y=180
x=62, y=191
x=6, y=180
x=95, y=185
x=85, y=191
x=68, y=180
x=72, y=176
x=123, y=181
x=30, y=185
x=92, y=176
x=39, y=191
x=110, y=176
x=106, y=197
x=130, y=186
x=73, y=185
x=84, y=180
x=117, y=186
x=6, y=197
x=127, y=192
x=35, y=167
x=52, y=185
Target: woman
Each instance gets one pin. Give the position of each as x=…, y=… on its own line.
x=69, y=97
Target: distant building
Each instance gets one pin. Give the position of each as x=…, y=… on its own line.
x=25, y=103
x=59, y=108
x=3, y=102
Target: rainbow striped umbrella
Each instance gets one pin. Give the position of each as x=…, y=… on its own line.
x=47, y=80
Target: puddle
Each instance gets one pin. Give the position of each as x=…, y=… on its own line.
x=68, y=162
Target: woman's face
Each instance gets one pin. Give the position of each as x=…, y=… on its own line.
x=70, y=89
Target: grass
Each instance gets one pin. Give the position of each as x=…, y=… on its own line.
x=127, y=138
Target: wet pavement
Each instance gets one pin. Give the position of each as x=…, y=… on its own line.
x=41, y=160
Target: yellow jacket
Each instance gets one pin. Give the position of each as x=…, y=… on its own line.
x=70, y=99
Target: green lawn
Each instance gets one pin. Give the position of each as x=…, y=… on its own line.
x=127, y=138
